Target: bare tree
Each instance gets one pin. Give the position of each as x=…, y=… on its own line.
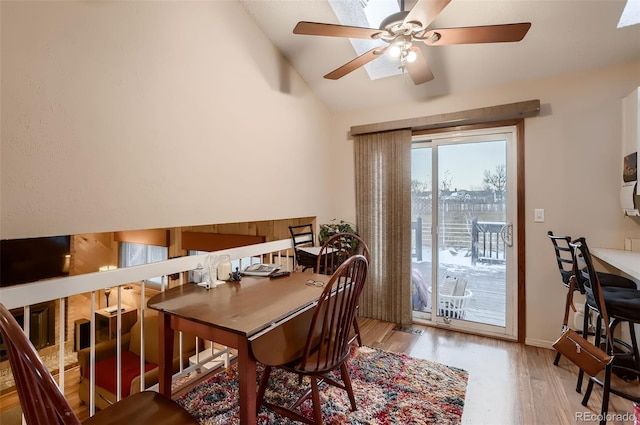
x=417, y=186
x=496, y=180
x=445, y=182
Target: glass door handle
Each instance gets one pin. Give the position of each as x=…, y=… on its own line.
x=506, y=234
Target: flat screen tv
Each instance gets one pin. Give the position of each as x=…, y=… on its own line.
x=33, y=259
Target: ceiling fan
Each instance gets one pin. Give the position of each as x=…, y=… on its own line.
x=402, y=31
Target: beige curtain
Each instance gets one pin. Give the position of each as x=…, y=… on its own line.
x=383, y=212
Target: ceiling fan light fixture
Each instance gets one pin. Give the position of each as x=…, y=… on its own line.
x=395, y=51
x=400, y=47
x=411, y=56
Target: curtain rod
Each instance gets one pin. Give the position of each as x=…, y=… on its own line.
x=525, y=109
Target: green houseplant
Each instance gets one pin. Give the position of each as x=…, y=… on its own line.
x=329, y=229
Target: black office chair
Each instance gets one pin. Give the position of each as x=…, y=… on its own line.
x=303, y=237
x=620, y=305
x=565, y=259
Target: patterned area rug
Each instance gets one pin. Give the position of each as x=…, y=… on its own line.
x=389, y=388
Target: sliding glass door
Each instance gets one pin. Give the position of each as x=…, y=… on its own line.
x=464, y=271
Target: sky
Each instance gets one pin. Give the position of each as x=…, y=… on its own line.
x=464, y=163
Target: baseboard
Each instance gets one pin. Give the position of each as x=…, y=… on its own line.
x=539, y=343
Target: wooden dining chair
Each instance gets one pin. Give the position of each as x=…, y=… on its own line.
x=338, y=248
x=333, y=253
x=327, y=345
x=43, y=403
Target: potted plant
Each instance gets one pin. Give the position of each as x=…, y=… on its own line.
x=329, y=229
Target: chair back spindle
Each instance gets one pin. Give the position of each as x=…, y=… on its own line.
x=337, y=249
x=586, y=274
x=328, y=340
x=43, y=403
x=328, y=344
x=564, y=258
x=41, y=400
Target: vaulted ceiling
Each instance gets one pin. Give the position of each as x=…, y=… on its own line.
x=566, y=36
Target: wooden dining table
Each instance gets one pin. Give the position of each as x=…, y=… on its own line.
x=264, y=319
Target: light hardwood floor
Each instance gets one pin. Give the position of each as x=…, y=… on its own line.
x=509, y=383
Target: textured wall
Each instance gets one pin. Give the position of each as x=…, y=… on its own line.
x=133, y=115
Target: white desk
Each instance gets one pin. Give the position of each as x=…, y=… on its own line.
x=625, y=261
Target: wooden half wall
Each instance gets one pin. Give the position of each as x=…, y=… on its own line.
x=199, y=241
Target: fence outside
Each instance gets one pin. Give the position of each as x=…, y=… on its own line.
x=456, y=227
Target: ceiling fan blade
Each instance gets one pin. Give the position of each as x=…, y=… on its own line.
x=354, y=64
x=419, y=70
x=425, y=11
x=333, y=30
x=483, y=34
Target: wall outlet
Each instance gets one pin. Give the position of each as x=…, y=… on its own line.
x=538, y=215
x=632, y=245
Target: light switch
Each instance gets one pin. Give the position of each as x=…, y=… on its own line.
x=538, y=215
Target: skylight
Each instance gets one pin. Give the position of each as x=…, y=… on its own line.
x=369, y=14
x=630, y=14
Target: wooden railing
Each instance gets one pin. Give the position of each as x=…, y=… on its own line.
x=450, y=235
x=487, y=245
x=482, y=238
x=94, y=283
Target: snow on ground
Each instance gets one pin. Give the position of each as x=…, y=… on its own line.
x=486, y=281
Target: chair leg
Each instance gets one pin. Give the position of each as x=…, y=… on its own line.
x=264, y=381
x=587, y=393
x=315, y=396
x=585, y=335
x=356, y=329
x=605, y=393
x=344, y=372
x=557, y=359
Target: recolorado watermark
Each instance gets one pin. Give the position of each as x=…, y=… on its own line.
x=610, y=417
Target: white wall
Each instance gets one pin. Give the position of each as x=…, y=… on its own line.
x=129, y=115
x=573, y=169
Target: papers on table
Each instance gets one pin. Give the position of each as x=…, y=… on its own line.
x=260, y=269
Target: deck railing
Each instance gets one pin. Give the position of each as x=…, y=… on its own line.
x=487, y=245
x=94, y=283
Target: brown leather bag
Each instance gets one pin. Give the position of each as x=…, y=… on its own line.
x=577, y=349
